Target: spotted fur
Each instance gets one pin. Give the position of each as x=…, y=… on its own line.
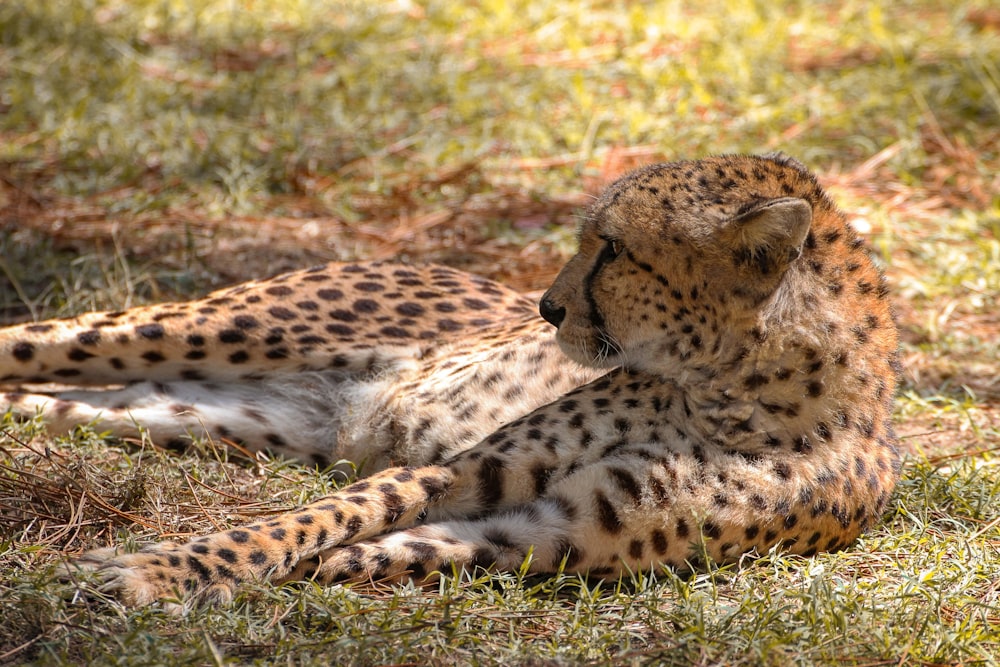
x=732, y=363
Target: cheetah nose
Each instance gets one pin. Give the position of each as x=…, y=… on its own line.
x=552, y=313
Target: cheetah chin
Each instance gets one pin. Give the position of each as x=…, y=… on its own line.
x=720, y=383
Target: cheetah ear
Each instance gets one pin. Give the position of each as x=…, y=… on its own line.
x=770, y=235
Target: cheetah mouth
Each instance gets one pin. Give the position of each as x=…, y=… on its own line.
x=599, y=351
x=608, y=350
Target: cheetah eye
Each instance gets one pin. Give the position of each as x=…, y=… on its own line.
x=616, y=247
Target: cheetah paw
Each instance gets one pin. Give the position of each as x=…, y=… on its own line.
x=155, y=574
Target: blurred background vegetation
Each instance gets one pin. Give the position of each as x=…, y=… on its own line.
x=224, y=139
x=154, y=149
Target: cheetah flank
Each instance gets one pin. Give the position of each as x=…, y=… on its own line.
x=732, y=363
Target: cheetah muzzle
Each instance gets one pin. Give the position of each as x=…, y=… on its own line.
x=728, y=388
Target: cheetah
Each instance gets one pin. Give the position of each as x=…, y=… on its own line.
x=720, y=383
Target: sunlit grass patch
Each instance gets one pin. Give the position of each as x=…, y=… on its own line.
x=232, y=107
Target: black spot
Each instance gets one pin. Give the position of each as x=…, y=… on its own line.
x=232, y=336
x=150, y=331
x=627, y=483
x=491, y=478
x=245, y=322
x=417, y=570
x=340, y=329
x=410, y=309
x=541, y=473
x=279, y=290
x=365, y=306
x=227, y=555
x=568, y=405
x=196, y=565
x=239, y=357
x=153, y=357
x=659, y=542
x=499, y=539
x=394, y=332
x=330, y=294
x=711, y=530
x=393, y=502
x=475, y=304
x=280, y=313
x=77, y=354
x=404, y=475
x=92, y=337
x=607, y=516
x=434, y=488
x=352, y=527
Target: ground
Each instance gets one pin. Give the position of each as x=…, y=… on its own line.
x=210, y=146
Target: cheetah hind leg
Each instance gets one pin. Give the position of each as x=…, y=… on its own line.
x=298, y=419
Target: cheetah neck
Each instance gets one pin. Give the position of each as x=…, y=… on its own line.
x=798, y=391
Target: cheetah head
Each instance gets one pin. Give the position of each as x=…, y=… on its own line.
x=674, y=258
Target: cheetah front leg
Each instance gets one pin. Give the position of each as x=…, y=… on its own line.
x=626, y=512
x=211, y=567
x=612, y=515
x=501, y=541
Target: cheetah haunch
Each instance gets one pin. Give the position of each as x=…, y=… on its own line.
x=752, y=363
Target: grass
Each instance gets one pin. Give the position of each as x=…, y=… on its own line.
x=157, y=149
x=921, y=588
